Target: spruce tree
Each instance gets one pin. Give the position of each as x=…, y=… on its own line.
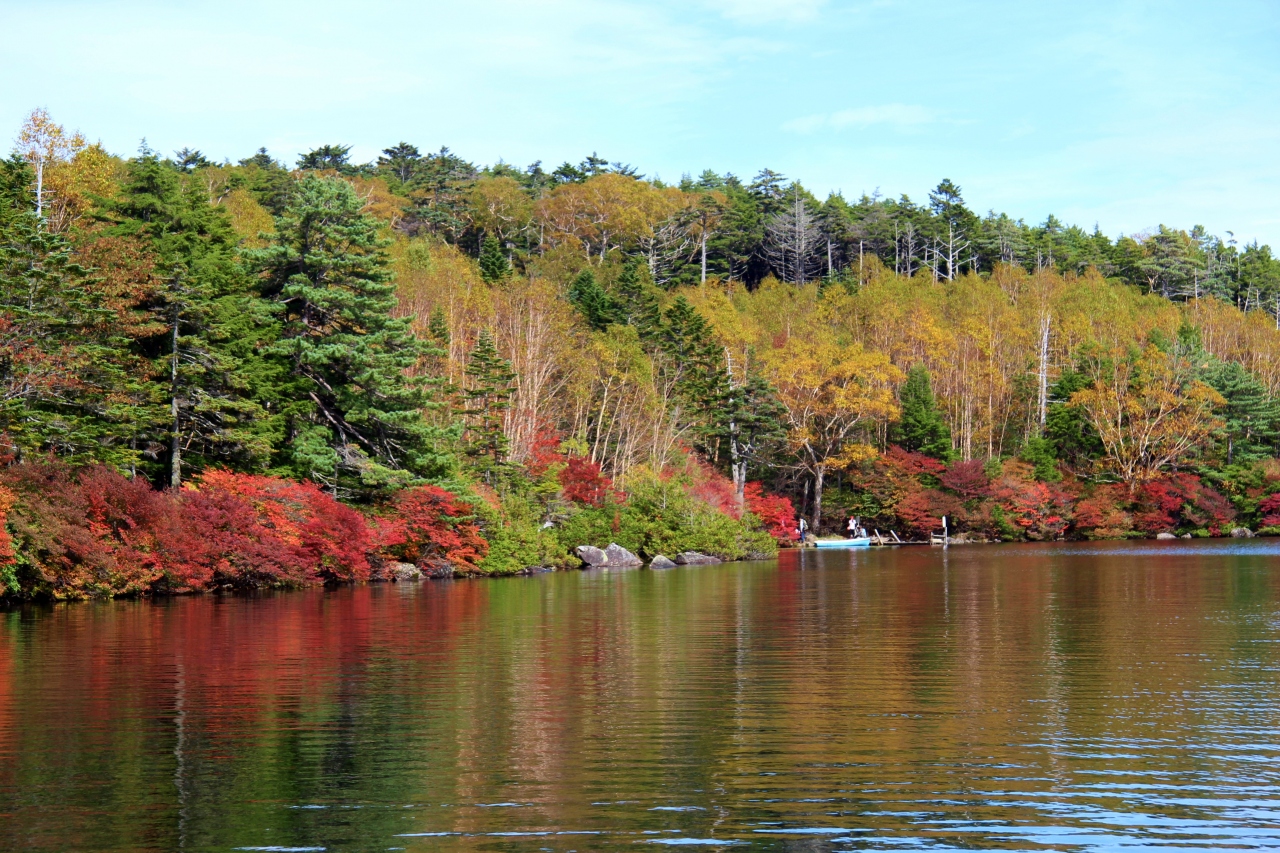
x=922, y=427
x=207, y=357
x=637, y=303
x=64, y=386
x=747, y=420
x=1251, y=414
x=352, y=408
x=591, y=300
x=494, y=266
x=488, y=396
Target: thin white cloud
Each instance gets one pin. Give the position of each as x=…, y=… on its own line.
x=893, y=115
x=767, y=11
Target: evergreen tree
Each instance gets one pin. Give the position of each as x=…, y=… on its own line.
x=352, y=410
x=692, y=357
x=748, y=420
x=595, y=305
x=922, y=427
x=1251, y=414
x=207, y=357
x=636, y=303
x=494, y=266
x=327, y=157
x=63, y=386
x=1067, y=428
x=488, y=396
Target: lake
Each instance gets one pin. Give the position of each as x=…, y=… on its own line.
x=1053, y=696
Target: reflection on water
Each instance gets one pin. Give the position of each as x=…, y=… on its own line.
x=1013, y=697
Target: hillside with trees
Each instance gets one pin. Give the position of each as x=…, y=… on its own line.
x=256, y=373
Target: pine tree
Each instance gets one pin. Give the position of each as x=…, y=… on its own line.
x=922, y=427
x=494, y=266
x=692, y=357
x=353, y=412
x=490, y=381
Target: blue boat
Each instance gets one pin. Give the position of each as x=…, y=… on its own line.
x=857, y=542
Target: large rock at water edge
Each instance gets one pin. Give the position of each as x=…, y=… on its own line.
x=693, y=558
x=620, y=558
x=1166, y=536
x=1241, y=533
x=591, y=555
x=404, y=572
x=661, y=562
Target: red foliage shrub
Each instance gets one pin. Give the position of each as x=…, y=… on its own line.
x=7, y=500
x=709, y=486
x=1040, y=510
x=774, y=511
x=88, y=533
x=911, y=463
x=582, y=482
x=330, y=539
x=1181, y=500
x=544, y=453
x=921, y=511
x=1269, y=509
x=1104, y=514
x=966, y=479
x=429, y=525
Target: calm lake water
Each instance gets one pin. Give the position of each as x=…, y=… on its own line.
x=1070, y=697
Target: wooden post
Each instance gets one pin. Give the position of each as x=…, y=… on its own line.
x=946, y=537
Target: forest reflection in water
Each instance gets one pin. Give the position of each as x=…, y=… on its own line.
x=1079, y=696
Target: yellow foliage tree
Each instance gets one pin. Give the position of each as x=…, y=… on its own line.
x=833, y=394
x=1150, y=414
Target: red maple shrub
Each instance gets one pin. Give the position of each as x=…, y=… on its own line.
x=430, y=526
x=775, y=512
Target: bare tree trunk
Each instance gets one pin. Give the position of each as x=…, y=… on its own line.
x=175, y=444
x=704, y=256
x=819, y=474
x=1043, y=396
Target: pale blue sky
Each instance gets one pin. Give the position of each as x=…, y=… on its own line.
x=1127, y=114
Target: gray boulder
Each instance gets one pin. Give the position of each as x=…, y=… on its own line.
x=693, y=558
x=404, y=572
x=617, y=557
x=591, y=555
x=1166, y=536
x=1241, y=533
x=1185, y=536
x=661, y=562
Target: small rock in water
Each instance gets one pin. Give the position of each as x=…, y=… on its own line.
x=661, y=562
x=405, y=572
x=591, y=555
x=438, y=569
x=1241, y=533
x=693, y=558
x=1166, y=536
x=1185, y=536
x=617, y=557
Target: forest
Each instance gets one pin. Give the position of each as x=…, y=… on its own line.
x=254, y=373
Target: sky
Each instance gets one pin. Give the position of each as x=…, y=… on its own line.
x=1120, y=114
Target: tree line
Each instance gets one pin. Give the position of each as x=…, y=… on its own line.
x=582, y=355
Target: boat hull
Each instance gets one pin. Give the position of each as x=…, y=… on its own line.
x=860, y=542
